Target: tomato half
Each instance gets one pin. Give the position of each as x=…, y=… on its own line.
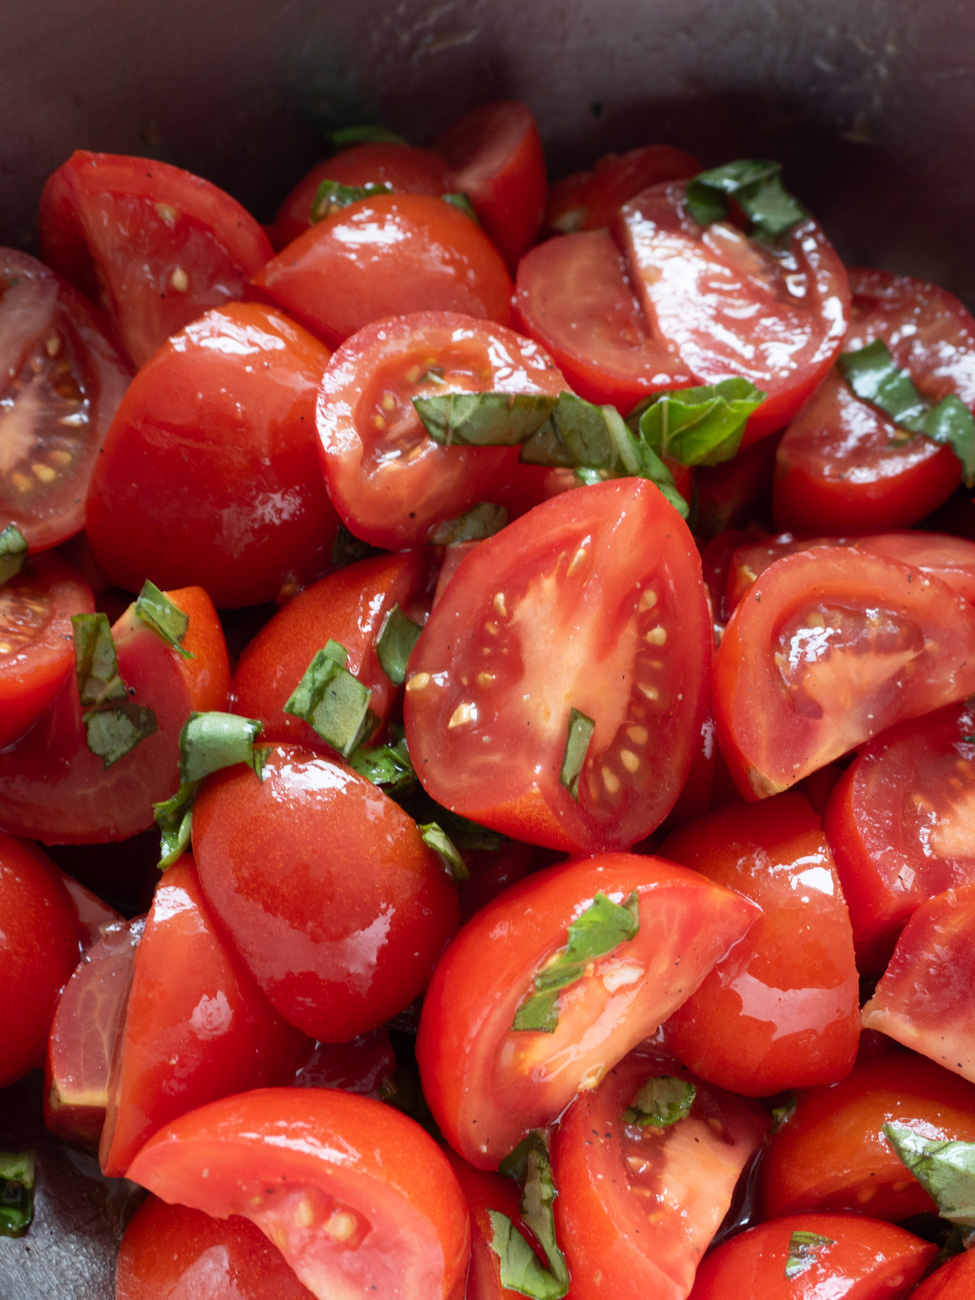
x=357, y=1197
x=593, y=602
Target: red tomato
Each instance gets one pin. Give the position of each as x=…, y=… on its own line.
x=184, y=1254
x=484, y=1192
x=843, y=466
x=489, y=1084
x=594, y=602
x=39, y=948
x=637, y=1206
x=355, y=1195
x=404, y=168
x=94, y=916
x=952, y=1281
x=384, y=256
x=389, y=480
x=755, y=555
x=728, y=305
x=339, y=940
x=831, y=1154
x=782, y=1009
x=495, y=156
x=152, y=244
x=62, y=380
x=829, y=648
x=54, y=789
x=36, y=655
x=573, y=295
x=196, y=1025
x=850, y=1256
x=951, y=559
x=588, y=200
x=209, y=472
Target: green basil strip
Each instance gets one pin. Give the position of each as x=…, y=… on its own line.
x=388, y=766
x=600, y=928
x=875, y=377
x=945, y=1169
x=333, y=701
x=483, y=419
x=436, y=838
x=174, y=817
x=463, y=203
x=332, y=196
x=13, y=552
x=18, y=1170
x=482, y=520
x=521, y=1269
x=781, y=1114
x=114, y=731
x=348, y=136
x=577, y=741
x=756, y=185
x=661, y=1101
x=158, y=612
x=394, y=645
x=95, y=661
x=803, y=1249
x=700, y=426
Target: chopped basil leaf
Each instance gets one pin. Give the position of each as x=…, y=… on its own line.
x=174, y=817
x=482, y=520
x=13, y=552
x=332, y=196
x=600, y=928
x=17, y=1173
x=782, y=1113
x=700, y=426
x=483, y=419
x=388, y=766
x=661, y=1101
x=394, y=645
x=333, y=701
x=113, y=731
x=756, y=185
x=95, y=661
x=348, y=136
x=462, y=202
x=166, y=620
x=875, y=377
x=945, y=1169
x=803, y=1249
x=434, y=837
x=576, y=745
x=521, y=1268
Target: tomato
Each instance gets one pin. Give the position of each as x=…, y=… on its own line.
x=489, y=1084
x=843, y=466
x=152, y=244
x=637, y=1206
x=594, y=602
x=339, y=940
x=954, y=1280
x=573, y=295
x=196, y=1025
x=53, y=788
x=950, y=559
x=495, y=156
x=831, y=1154
x=402, y=167
x=389, y=480
x=485, y=1191
x=834, y=1255
x=829, y=648
x=39, y=948
x=184, y=1254
x=728, y=305
x=63, y=379
x=588, y=200
x=209, y=472
x=782, y=1009
x=355, y=1195
x=95, y=916
x=35, y=640
x=384, y=256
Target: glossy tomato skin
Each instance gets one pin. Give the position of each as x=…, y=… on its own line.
x=589, y=200
x=954, y=1280
x=389, y=480
x=485, y=1191
x=782, y=1009
x=209, y=472
x=860, y=1259
x=152, y=244
x=487, y=1084
x=384, y=256
x=637, y=1207
x=64, y=377
x=592, y=601
x=331, y=897
x=353, y=1193
x=829, y=648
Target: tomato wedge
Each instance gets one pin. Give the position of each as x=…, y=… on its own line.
x=588, y=200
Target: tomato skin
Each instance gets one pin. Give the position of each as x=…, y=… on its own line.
x=485, y=1191
x=954, y=1280
x=864, y=1259
x=64, y=377
x=384, y=256
x=154, y=245
x=487, y=1085
x=899, y=645
x=348, y=1164
x=603, y=570
x=209, y=472
x=637, y=1207
x=782, y=1009
x=588, y=200
x=339, y=940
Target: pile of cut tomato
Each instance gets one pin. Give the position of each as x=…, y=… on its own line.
x=487, y=730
